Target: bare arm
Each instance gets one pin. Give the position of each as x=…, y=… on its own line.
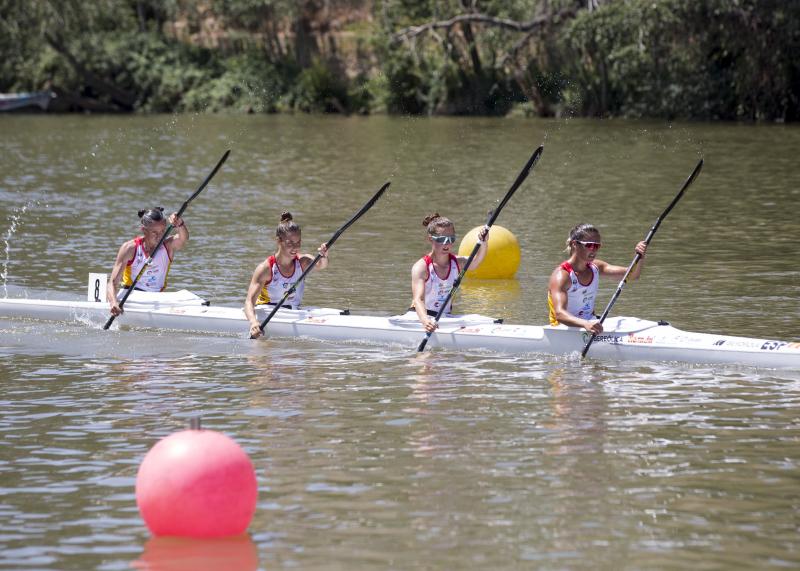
x=176, y=241
x=610, y=270
x=419, y=274
x=306, y=259
x=557, y=287
x=125, y=254
x=261, y=277
x=483, y=236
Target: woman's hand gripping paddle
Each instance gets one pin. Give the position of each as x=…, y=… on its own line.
x=492, y=217
x=638, y=256
x=166, y=234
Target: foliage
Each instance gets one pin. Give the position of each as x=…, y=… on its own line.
x=720, y=59
x=248, y=83
x=717, y=59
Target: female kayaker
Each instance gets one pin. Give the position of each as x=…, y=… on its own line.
x=133, y=254
x=432, y=276
x=573, y=284
x=277, y=273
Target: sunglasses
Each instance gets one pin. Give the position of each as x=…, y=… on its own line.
x=444, y=239
x=589, y=245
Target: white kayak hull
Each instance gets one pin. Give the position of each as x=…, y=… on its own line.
x=624, y=338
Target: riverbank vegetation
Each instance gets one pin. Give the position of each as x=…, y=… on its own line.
x=716, y=59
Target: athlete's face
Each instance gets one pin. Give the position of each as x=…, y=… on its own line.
x=290, y=244
x=587, y=247
x=444, y=239
x=153, y=231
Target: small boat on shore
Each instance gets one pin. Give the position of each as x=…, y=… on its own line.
x=26, y=100
x=624, y=338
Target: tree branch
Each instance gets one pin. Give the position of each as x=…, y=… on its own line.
x=513, y=25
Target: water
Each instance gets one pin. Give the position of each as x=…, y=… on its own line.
x=372, y=457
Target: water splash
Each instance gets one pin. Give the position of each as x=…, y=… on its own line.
x=14, y=220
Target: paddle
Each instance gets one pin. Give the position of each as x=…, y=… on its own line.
x=638, y=256
x=164, y=236
x=492, y=217
x=329, y=243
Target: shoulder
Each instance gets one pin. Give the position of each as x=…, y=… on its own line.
x=305, y=260
x=268, y=263
x=133, y=242
x=560, y=275
x=420, y=267
x=563, y=269
x=129, y=247
x=262, y=269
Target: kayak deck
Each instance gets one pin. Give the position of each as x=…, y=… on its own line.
x=624, y=338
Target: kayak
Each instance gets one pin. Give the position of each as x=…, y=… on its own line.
x=14, y=101
x=624, y=338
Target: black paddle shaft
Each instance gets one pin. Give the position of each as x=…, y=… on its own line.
x=316, y=259
x=492, y=217
x=164, y=236
x=638, y=256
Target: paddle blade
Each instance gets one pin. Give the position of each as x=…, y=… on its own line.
x=517, y=183
x=675, y=200
x=424, y=342
x=370, y=203
x=695, y=172
x=205, y=182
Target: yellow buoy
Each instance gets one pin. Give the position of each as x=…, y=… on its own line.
x=502, y=259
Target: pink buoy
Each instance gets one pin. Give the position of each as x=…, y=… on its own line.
x=196, y=483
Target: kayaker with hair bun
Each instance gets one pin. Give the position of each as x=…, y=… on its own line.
x=134, y=253
x=278, y=272
x=573, y=284
x=432, y=276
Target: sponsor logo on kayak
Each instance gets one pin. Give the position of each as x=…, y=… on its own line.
x=773, y=345
x=640, y=339
x=470, y=330
x=483, y=329
x=742, y=343
x=612, y=339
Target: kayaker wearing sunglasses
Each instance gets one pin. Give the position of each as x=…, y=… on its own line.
x=133, y=254
x=573, y=284
x=433, y=275
x=275, y=275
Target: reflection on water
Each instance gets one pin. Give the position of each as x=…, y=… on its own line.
x=376, y=457
x=489, y=297
x=183, y=554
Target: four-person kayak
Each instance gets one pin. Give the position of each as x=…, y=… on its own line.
x=624, y=338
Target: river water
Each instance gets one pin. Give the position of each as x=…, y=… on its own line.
x=371, y=457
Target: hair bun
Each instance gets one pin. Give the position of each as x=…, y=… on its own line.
x=428, y=219
x=141, y=213
x=286, y=217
